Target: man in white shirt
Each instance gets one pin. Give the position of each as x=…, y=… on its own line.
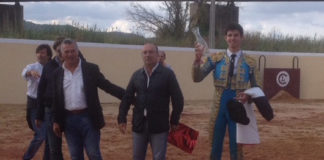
x=76, y=106
x=31, y=73
x=162, y=56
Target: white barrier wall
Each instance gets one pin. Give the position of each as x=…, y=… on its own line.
x=118, y=62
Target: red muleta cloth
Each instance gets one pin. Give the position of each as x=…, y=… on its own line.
x=184, y=138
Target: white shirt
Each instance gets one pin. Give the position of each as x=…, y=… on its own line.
x=32, y=83
x=237, y=57
x=74, y=89
x=248, y=134
x=169, y=66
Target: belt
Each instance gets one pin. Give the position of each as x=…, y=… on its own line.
x=80, y=111
x=31, y=98
x=31, y=102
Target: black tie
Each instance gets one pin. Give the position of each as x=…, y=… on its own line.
x=231, y=69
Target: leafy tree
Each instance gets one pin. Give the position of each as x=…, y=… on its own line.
x=172, y=25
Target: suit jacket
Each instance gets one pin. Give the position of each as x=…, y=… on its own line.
x=92, y=79
x=45, y=90
x=155, y=98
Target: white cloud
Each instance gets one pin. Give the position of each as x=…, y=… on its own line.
x=120, y=26
x=102, y=14
x=294, y=18
x=67, y=20
x=105, y=15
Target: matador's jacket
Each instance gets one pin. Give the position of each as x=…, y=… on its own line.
x=226, y=88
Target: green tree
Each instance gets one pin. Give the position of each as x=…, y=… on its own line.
x=171, y=25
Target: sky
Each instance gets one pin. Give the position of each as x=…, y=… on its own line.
x=288, y=18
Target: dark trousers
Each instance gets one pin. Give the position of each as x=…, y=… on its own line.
x=55, y=142
x=158, y=141
x=80, y=134
x=39, y=133
x=223, y=120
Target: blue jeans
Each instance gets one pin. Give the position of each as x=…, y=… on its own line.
x=39, y=137
x=55, y=142
x=80, y=133
x=158, y=144
x=222, y=121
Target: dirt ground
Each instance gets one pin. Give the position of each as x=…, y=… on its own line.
x=296, y=133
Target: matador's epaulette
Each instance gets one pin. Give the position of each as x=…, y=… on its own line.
x=250, y=61
x=253, y=65
x=216, y=57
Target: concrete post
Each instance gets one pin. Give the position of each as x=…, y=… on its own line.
x=11, y=18
x=212, y=24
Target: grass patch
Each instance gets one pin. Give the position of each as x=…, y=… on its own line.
x=254, y=41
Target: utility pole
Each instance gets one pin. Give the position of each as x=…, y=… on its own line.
x=212, y=12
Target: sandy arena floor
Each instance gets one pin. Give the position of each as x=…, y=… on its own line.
x=296, y=133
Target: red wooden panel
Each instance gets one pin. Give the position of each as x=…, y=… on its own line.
x=276, y=79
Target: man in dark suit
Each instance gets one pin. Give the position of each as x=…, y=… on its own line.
x=152, y=86
x=76, y=106
x=44, y=102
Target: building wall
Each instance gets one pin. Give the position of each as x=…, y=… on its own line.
x=11, y=18
x=118, y=62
